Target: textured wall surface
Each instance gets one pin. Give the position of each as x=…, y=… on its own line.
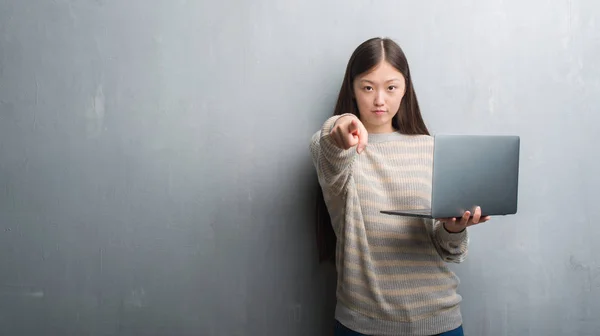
x=155, y=177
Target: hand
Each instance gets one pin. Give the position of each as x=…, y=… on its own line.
x=349, y=131
x=454, y=226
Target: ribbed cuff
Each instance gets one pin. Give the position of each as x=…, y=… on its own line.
x=447, y=236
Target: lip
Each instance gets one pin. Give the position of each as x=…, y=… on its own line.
x=379, y=111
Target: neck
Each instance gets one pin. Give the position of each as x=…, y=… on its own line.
x=381, y=129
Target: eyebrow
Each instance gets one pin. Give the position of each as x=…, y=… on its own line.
x=389, y=80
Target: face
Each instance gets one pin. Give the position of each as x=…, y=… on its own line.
x=378, y=94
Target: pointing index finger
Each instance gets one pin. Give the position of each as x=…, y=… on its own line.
x=363, y=139
x=353, y=127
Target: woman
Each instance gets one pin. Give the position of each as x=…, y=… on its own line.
x=376, y=153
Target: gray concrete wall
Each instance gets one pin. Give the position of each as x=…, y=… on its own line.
x=155, y=176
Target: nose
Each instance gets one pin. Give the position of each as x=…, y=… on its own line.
x=379, y=101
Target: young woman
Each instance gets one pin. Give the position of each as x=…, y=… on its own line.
x=376, y=153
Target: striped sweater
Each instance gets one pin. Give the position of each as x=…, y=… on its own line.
x=392, y=276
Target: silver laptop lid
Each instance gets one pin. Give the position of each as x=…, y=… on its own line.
x=472, y=170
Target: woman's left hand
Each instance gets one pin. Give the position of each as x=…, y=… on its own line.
x=455, y=225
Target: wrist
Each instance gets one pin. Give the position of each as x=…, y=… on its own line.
x=451, y=229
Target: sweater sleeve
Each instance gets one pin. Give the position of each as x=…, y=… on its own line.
x=452, y=247
x=332, y=163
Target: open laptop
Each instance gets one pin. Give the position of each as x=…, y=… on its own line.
x=470, y=171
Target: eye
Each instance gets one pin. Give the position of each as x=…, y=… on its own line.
x=392, y=87
x=368, y=88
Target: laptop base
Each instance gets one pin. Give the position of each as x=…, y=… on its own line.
x=421, y=213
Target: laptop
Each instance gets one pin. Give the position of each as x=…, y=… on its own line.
x=471, y=171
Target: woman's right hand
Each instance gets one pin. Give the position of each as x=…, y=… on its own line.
x=349, y=131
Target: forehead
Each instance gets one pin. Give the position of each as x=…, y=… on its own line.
x=381, y=73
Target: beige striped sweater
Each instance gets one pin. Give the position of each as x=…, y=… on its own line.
x=392, y=276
